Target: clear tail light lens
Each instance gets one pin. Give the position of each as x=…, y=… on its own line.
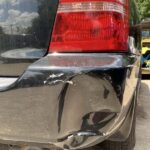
x=91, y=26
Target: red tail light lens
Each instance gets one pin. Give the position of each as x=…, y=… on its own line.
x=91, y=26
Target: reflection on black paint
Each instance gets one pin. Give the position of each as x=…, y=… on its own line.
x=96, y=120
x=42, y=26
x=106, y=92
x=26, y=24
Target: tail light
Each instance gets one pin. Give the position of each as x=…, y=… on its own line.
x=91, y=26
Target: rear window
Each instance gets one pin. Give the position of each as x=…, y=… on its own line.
x=26, y=24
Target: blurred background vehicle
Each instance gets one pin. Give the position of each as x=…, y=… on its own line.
x=145, y=43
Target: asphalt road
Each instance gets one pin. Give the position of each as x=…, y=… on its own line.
x=143, y=117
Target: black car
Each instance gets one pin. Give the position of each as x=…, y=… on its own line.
x=69, y=74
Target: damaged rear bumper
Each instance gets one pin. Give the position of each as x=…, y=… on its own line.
x=68, y=100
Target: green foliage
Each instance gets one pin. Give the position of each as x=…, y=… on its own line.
x=144, y=8
x=134, y=13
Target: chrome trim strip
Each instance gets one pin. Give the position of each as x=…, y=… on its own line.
x=91, y=6
x=77, y=62
x=5, y=82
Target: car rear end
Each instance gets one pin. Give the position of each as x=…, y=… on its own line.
x=69, y=78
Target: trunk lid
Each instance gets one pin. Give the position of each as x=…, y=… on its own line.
x=25, y=29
